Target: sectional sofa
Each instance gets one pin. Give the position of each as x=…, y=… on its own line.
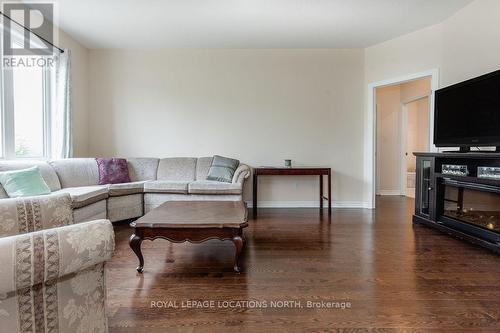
x=153, y=181
x=52, y=274
x=53, y=247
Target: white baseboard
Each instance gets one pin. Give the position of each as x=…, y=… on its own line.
x=309, y=204
x=389, y=192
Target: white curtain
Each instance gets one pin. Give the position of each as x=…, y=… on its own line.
x=61, y=130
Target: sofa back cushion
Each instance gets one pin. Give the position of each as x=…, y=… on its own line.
x=75, y=172
x=141, y=169
x=202, y=166
x=177, y=168
x=48, y=174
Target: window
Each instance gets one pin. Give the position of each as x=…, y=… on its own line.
x=26, y=96
x=29, y=117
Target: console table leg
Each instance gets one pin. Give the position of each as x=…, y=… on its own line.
x=239, y=243
x=321, y=193
x=135, y=243
x=329, y=191
x=254, y=196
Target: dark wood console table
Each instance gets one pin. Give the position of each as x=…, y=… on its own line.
x=295, y=171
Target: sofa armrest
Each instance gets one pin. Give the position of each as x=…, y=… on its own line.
x=241, y=173
x=37, y=257
x=23, y=215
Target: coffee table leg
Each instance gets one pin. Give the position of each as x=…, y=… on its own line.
x=239, y=243
x=135, y=243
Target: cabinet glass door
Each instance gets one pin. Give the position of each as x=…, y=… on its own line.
x=426, y=187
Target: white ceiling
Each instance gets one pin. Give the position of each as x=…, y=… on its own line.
x=136, y=24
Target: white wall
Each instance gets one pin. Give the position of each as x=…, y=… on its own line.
x=464, y=46
x=263, y=106
x=80, y=82
x=260, y=106
x=471, y=42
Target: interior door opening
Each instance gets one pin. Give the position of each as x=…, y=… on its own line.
x=414, y=137
x=402, y=127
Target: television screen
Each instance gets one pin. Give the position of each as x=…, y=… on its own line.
x=468, y=113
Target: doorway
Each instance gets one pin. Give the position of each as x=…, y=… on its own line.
x=414, y=137
x=402, y=127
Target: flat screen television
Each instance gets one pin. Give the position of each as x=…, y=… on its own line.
x=467, y=114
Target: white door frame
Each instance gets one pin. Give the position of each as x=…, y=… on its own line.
x=371, y=125
x=404, y=140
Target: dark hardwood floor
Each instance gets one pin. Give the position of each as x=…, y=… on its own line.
x=396, y=276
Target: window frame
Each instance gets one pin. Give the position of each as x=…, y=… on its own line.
x=7, y=114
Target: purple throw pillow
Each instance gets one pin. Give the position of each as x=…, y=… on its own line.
x=112, y=171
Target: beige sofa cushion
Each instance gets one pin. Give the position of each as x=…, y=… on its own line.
x=125, y=207
x=74, y=172
x=141, y=169
x=202, y=166
x=48, y=174
x=85, y=195
x=115, y=190
x=213, y=187
x=95, y=211
x=177, y=169
x=166, y=186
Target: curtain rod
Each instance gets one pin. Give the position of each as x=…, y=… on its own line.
x=25, y=28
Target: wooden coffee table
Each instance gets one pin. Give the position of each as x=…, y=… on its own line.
x=192, y=221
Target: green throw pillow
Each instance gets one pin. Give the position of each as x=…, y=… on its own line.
x=222, y=169
x=24, y=183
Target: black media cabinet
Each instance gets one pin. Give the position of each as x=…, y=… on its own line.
x=466, y=207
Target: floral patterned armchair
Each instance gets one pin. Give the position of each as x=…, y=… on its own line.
x=51, y=270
